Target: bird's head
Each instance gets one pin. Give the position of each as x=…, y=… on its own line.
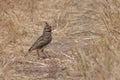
x=47, y=28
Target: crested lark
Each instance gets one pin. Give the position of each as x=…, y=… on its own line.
x=42, y=41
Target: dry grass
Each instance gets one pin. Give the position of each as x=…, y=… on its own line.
x=85, y=46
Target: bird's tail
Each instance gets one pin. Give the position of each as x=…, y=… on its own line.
x=26, y=53
x=29, y=50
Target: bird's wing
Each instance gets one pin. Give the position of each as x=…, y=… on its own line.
x=37, y=42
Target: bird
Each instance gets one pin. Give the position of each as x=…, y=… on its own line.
x=42, y=41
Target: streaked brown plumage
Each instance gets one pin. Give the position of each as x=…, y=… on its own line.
x=43, y=40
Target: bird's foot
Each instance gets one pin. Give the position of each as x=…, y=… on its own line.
x=43, y=56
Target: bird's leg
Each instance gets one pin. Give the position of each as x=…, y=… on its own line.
x=44, y=55
x=38, y=53
x=42, y=50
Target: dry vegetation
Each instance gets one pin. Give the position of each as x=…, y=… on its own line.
x=85, y=46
